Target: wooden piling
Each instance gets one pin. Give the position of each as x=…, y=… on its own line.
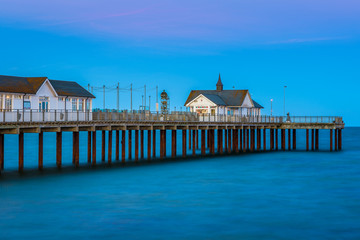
x=149, y=145
x=117, y=145
x=248, y=139
x=219, y=141
x=316, y=139
x=123, y=147
x=294, y=139
x=173, y=143
x=307, y=139
x=189, y=138
x=109, y=147
x=283, y=139
x=141, y=144
x=89, y=147
x=162, y=139
x=184, y=133
x=103, y=146
x=202, y=142
x=244, y=140
x=240, y=139
x=312, y=139
x=76, y=148
x=208, y=138
x=226, y=140
x=58, y=149
x=236, y=140
x=154, y=143
x=93, y=148
x=331, y=140
x=276, y=139
x=271, y=139
x=197, y=138
x=129, y=145
x=289, y=139
x=136, y=145
x=193, y=143
x=41, y=150
x=264, y=140
x=21, y=152
x=340, y=139
x=336, y=139
x=258, y=139
x=2, y=152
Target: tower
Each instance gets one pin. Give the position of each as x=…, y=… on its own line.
x=219, y=85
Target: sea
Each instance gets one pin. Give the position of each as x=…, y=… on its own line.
x=262, y=195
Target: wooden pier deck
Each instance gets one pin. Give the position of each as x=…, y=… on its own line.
x=218, y=134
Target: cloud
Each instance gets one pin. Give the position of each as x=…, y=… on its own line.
x=96, y=18
x=304, y=40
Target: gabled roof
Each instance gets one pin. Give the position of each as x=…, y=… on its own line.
x=215, y=99
x=257, y=105
x=228, y=97
x=71, y=89
x=26, y=85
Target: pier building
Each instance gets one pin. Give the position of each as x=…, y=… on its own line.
x=220, y=101
x=22, y=98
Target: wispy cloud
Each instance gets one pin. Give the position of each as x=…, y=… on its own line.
x=304, y=40
x=93, y=18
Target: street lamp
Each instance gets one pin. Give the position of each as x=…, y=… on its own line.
x=271, y=106
x=284, y=99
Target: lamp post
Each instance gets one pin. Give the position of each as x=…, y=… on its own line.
x=271, y=106
x=284, y=99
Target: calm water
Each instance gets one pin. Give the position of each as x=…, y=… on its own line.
x=281, y=195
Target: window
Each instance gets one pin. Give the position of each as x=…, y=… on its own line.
x=88, y=104
x=8, y=102
x=73, y=103
x=27, y=104
x=81, y=104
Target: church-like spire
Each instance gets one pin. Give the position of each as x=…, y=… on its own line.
x=219, y=85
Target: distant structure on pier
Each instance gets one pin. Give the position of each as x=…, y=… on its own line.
x=220, y=101
x=43, y=94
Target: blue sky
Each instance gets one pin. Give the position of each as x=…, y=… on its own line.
x=313, y=47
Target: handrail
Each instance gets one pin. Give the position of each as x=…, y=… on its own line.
x=60, y=115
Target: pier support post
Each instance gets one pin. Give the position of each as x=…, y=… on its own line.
x=141, y=144
x=276, y=139
x=197, y=138
x=193, y=143
x=289, y=139
x=202, y=142
x=283, y=139
x=189, y=138
x=212, y=140
x=94, y=148
x=1, y=152
x=136, y=145
x=226, y=140
x=252, y=140
x=76, y=148
x=162, y=143
x=235, y=140
x=89, y=147
x=316, y=139
x=271, y=139
x=240, y=139
x=123, y=146
x=307, y=139
x=258, y=132
x=154, y=143
x=208, y=138
x=312, y=139
x=244, y=140
x=129, y=145
x=294, y=139
x=336, y=139
x=218, y=140
x=41, y=150
x=229, y=141
x=149, y=145
x=340, y=139
x=21, y=152
x=103, y=146
x=109, y=147
x=264, y=139
x=331, y=140
x=173, y=143
x=248, y=139
x=58, y=149
x=184, y=133
x=117, y=145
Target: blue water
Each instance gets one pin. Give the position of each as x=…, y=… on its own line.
x=277, y=195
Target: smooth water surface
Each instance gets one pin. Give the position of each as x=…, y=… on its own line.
x=277, y=195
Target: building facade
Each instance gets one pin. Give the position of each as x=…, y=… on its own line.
x=223, y=102
x=39, y=94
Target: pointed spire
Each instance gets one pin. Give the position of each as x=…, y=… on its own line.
x=219, y=85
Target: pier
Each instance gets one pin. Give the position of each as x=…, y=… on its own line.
x=211, y=134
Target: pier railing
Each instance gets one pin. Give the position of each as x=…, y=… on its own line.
x=147, y=116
